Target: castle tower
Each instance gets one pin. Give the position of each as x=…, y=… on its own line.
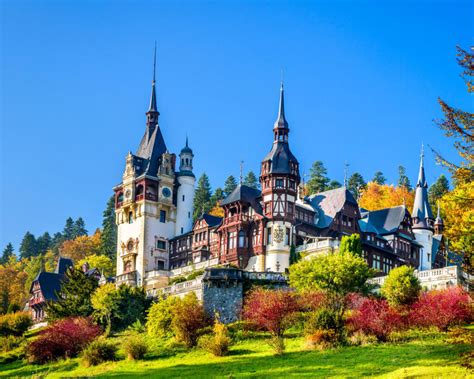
x=439, y=224
x=145, y=206
x=185, y=198
x=279, y=178
x=422, y=218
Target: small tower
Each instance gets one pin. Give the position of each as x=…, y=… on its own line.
x=422, y=218
x=439, y=224
x=279, y=178
x=185, y=198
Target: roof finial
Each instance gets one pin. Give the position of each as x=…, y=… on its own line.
x=281, y=120
x=187, y=140
x=422, y=155
x=153, y=107
x=241, y=172
x=154, y=65
x=346, y=169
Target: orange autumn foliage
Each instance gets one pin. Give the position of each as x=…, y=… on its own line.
x=217, y=211
x=81, y=247
x=379, y=196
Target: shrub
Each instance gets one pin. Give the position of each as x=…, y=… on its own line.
x=442, y=309
x=97, y=352
x=63, y=339
x=311, y=300
x=325, y=320
x=218, y=343
x=188, y=317
x=401, y=287
x=159, y=317
x=10, y=342
x=135, y=347
x=376, y=317
x=322, y=339
x=137, y=327
x=459, y=335
x=195, y=274
x=359, y=338
x=278, y=344
x=177, y=279
x=15, y=324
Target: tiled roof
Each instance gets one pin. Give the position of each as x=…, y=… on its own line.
x=245, y=194
x=383, y=221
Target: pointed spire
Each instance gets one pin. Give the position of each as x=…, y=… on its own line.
x=153, y=107
x=421, y=176
x=421, y=207
x=439, y=220
x=281, y=120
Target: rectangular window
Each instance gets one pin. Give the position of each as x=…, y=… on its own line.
x=160, y=244
x=183, y=197
x=279, y=183
x=189, y=214
x=287, y=236
x=162, y=216
x=269, y=236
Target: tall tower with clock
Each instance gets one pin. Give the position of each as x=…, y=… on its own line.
x=279, y=178
x=147, y=206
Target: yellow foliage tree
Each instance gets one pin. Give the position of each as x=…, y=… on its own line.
x=378, y=196
x=103, y=263
x=217, y=211
x=12, y=284
x=81, y=247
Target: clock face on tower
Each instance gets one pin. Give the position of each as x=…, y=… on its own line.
x=166, y=192
x=128, y=193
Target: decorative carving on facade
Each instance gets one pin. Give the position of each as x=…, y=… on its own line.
x=278, y=234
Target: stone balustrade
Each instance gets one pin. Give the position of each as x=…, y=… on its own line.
x=196, y=266
x=322, y=244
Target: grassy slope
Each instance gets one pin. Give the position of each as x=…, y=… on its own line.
x=253, y=358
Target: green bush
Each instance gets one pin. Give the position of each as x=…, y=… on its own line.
x=10, y=343
x=195, y=274
x=177, y=279
x=401, y=287
x=277, y=343
x=218, y=343
x=159, y=317
x=97, y=352
x=15, y=324
x=137, y=327
x=135, y=347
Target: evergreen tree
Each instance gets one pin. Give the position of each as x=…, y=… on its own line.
x=229, y=185
x=379, y=178
x=79, y=228
x=438, y=189
x=108, y=237
x=68, y=232
x=202, y=197
x=356, y=184
x=28, y=246
x=56, y=242
x=217, y=196
x=44, y=243
x=251, y=180
x=403, y=180
x=333, y=184
x=318, y=181
x=74, y=297
x=7, y=253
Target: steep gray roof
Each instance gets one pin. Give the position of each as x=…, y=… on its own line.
x=245, y=194
x=211, y=220
x=50, y=284
x=280, y=157
x=150, y=150
x=421, y=207
x=383, y=221
x=63, y=265
x=328, y=203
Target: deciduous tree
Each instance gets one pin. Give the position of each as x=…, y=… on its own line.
x=378, y=196
x=351, y=244
x=401, y=287
x=101, y=262
x=81, y=247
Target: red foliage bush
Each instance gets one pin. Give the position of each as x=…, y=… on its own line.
x=354, y=300
x=442, y=309
x=63, y=339
x=312, y=301
x=375, y=317
x=270, y=310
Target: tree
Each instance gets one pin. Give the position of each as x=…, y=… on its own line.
x=74, y=297
x=356, y=184
x=351, y=244
x=81, y=247
x=438, y=189
x=217, y=196
x=68, y=232
x=159, y=317
x=251, y=180
x=32, y=268
x=28, y=246
x=108, y=237
x=229, y=185
x=79, y=228
x=338, y=274
x=101, y=262
x=105, y=303
x=56, y=242
x=217, y=211
x=12, y=284
x=379, y=178
x=43, y=243
x=403, y=180
x=333, y=184
x=318, y=180
x=401, y=286
x=378, y=196
x=7, y=253
x=202, y=197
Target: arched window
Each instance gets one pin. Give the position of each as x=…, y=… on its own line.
x=127, y=267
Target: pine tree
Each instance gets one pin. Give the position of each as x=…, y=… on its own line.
x=108, y=238
x=318, y=181
x=202, y=197
x=44, y=243
x=356, y=184
x=56, y=242
x=217, y=196
x=438, y=189
x=403, y=180
x=68, y=232
x=251, y=180
x=79, y=228
x=379, y=178
x=7, y=253
x=229, y=185
x=333, y=184
x=28, y=246
x=74, y=297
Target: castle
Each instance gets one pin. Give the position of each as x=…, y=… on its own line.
x=157, y=237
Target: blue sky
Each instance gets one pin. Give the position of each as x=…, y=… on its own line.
x=361, y=78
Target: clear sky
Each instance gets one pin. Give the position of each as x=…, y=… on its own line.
x=361, y=78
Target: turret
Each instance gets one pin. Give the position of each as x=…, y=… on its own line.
x=185, y=197
x=439, y=224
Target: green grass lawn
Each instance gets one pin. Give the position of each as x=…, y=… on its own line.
x=430, y=357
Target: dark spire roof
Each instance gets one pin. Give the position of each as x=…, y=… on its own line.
x=281, y=120
x=421, y=207
x=439, y=220
x=186, y=148
x=153, y=107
